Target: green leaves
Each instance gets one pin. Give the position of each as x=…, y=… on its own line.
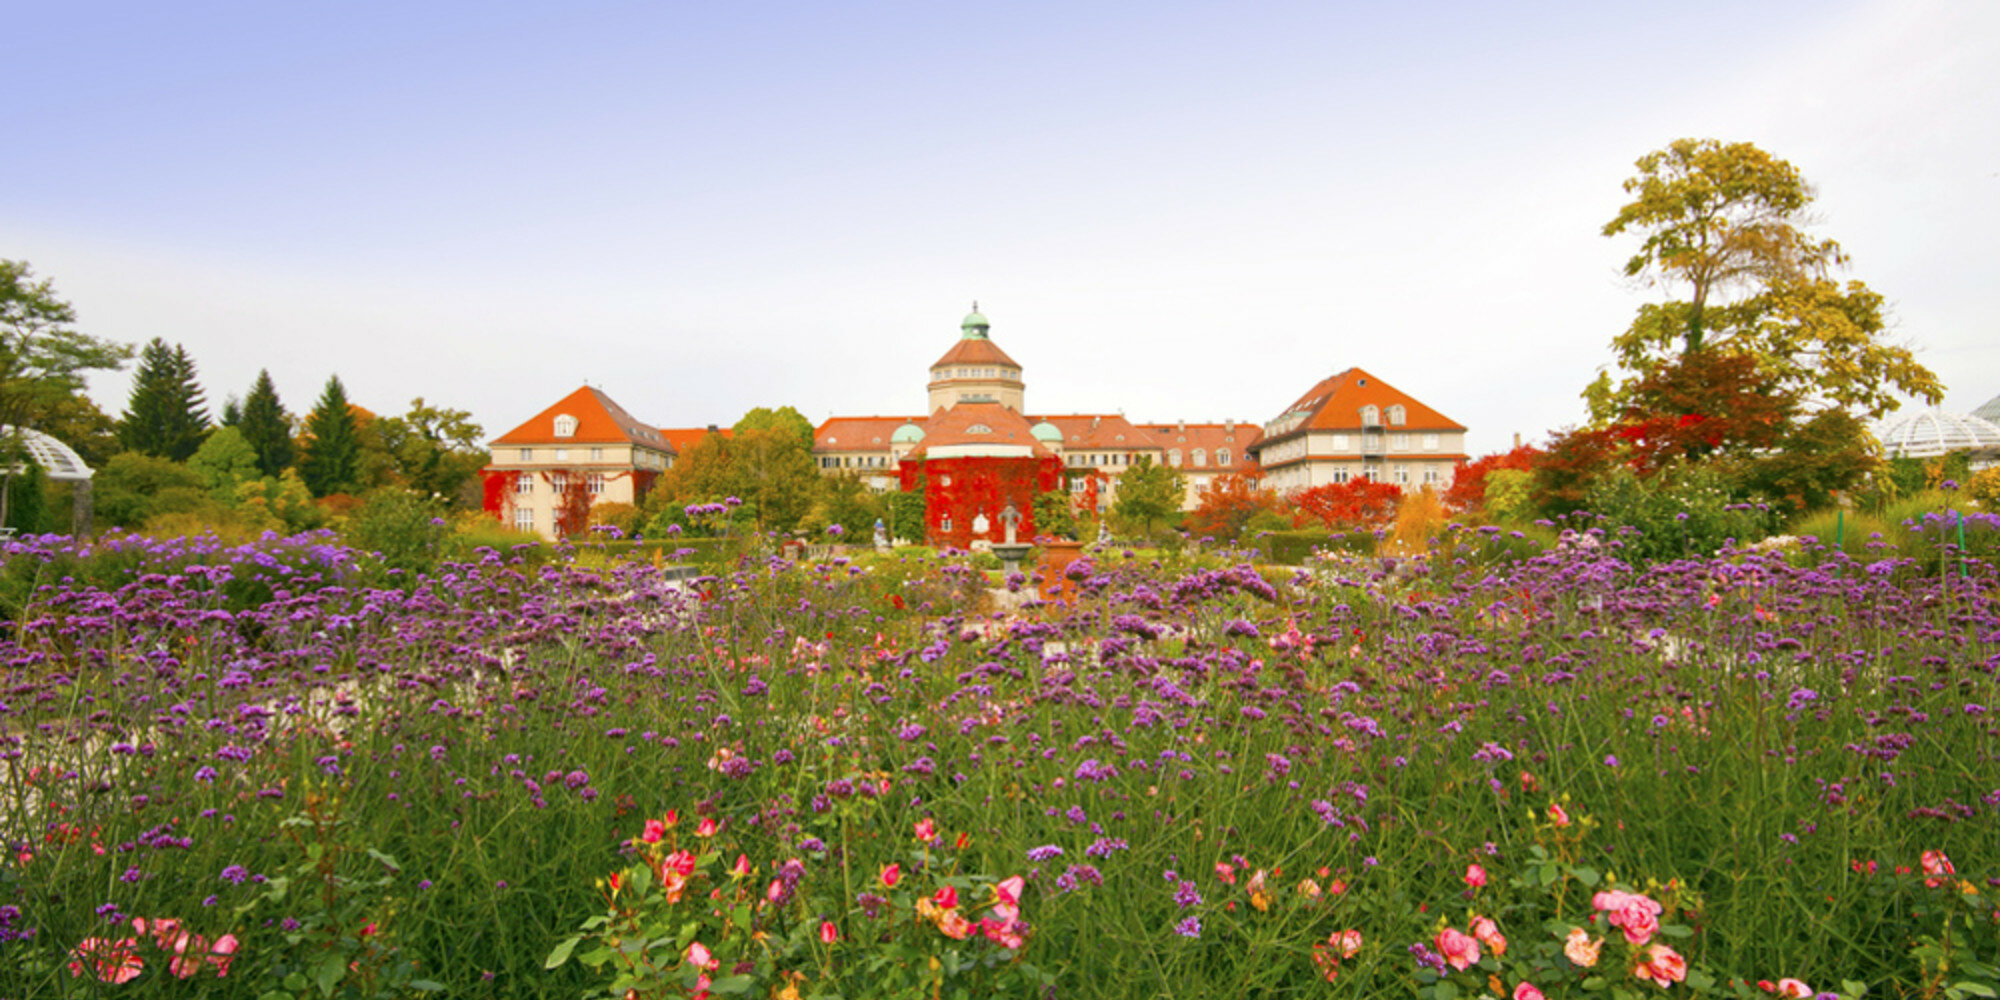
x=562, y=952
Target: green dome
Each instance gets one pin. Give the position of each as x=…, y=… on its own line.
x=1046, y=431
x=907, y=434
x=975, y=325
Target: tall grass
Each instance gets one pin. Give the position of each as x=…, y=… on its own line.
x=1199, y=776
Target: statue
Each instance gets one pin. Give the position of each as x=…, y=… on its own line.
x=881, y=536
x=980, y=525
x=1011, y=517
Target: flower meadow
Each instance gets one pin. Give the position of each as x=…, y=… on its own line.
x=268, y=771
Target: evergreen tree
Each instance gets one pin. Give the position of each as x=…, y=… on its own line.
x=331, y=462
x=232, y=413
x=267, y=427
x=167, y=416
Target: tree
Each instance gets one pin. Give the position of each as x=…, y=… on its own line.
x=1357, y=503
x=1055, y=514
x=783, y=418
x=1148, y=494
x=134, y=487
x=432, y=450
x=1469, y=482
x=42, y=356
x=224, y=461
x=773, y=468
x=167, y=416
x=1706, y=404
x=331, y=459
x=266, y=427
x=76, y=421
x=1725, y=221
x=1225, y=505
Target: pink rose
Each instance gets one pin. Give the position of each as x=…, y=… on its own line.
x=700, y=957
x=1639, y=920
x=1937, y=866
x=655, y=830
x=891, y=874
x=1661, y=966
x=945, y=898
x=828, y=933
x=1459, y=949
x=1793, y=988
x=1347, y=942
x=1486, y=932
x=1527, y=991
x=1475, y=876
x=1580, y=948
x=926, y=830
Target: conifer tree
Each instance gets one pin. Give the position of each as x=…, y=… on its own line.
x=331, y=459
x=266, y=426
x=168, y=416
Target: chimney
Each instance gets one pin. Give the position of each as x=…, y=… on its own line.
x=1517, y=439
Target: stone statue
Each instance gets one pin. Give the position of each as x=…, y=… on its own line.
x=881, y=536
x=1012, y=519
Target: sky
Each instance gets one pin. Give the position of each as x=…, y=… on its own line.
x=1170, y=210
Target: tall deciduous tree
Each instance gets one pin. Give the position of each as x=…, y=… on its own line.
x=331, y=459
x=266, y=427
x=784, y=418
x=1225, y=504
x=1725, y=224
x=1147, y=494
x=167, y=417
x=433, y=450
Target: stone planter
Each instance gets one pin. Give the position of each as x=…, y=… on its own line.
x=1056, y=557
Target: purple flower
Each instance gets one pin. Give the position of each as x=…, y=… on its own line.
x=1044, y=853
x=1189, y=927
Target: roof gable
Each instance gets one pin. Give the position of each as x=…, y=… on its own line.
x=1335, y=404
x=596, y=420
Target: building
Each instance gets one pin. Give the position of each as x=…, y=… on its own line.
x=1933, y=432
x=546, y=474
x=1355, y=426
x=978, y=449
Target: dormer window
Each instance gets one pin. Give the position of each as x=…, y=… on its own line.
x=979, y=429
x=1396, y=415
x=565, y=425
x=1371, y=416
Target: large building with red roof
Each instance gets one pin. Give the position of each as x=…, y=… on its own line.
x=978, y=450
x=546, y=474
x=1353, y=425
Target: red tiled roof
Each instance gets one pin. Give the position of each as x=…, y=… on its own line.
x=1236, y=438
x=1098, y=432
x=683, y=438
x=858, y=433
x=955, y=427
x=1335, y=405
x=598, y=421
x=975, y=351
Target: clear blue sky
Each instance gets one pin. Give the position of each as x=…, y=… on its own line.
x=1170, y=209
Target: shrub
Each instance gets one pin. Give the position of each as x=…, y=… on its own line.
x=1684, y=512
x=407, y=531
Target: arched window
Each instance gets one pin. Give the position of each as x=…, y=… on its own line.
x=1370, y=416
x=1396, y=415
x=1200, y=458
x=1174, y=457
x=979, y=429
x=1222, y=456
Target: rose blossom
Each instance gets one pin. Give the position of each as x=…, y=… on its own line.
x=1459, y=948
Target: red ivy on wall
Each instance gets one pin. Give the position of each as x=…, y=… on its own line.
x=958, y=490
x=498, y=486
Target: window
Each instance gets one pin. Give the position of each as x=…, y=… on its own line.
x=1430, y=474
x=558, y=483
x=944, y=523
x=1340, y=442
x=527, y=454
x=1371, y=416
x=1430, y=442
x=562, y=454
x=1399, y=442
x=1222, y=456
x=597, y=454
x=565, y=425
x=1340, y=474
x=979, y=429
x=524, y=519
x=1174, y=457
x=1396, y=414
x=524, y=486
x=1200, y=458
x=595, y=484
x=1402, y=475
x=944, y=480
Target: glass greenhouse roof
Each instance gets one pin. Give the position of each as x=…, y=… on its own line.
x=59, y=460
x=1930, y=433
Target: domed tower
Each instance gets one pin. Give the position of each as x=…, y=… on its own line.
x=975, y=370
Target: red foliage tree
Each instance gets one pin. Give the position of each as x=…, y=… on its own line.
x=1705, y=403
x=1226, y=503
x=572, y=507
x=1468, y=483
x=1355, y=503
